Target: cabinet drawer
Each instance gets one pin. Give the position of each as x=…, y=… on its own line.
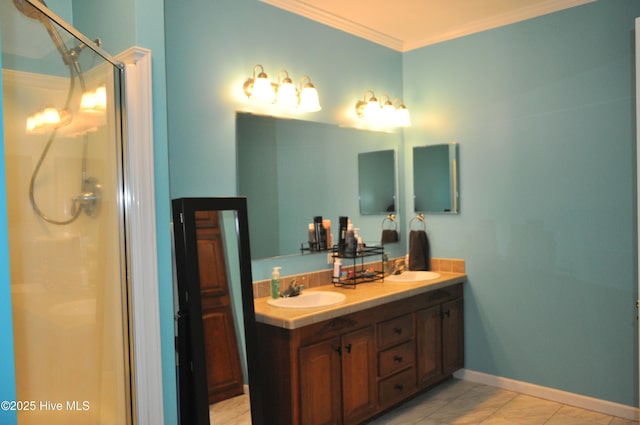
x=395, y=331
x=397, y=387
x=396, y=358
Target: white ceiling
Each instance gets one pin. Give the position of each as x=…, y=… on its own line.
x=409, y=24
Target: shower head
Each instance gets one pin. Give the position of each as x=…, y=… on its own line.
x=30, y=11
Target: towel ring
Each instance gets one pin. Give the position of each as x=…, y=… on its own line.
x=420, y=218
x=392, y=219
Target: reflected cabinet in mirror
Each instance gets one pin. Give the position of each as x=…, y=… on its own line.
x=292, y=171
x=435, y=179
x=215, y=315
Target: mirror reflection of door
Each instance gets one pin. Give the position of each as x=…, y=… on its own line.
x=222, y=359
x=216, y=343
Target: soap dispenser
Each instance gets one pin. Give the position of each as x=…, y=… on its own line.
x=275, y=283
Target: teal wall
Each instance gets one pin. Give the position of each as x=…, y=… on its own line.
x=544, y=114
x=7, y=371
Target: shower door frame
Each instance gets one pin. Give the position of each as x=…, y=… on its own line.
x=136, y=203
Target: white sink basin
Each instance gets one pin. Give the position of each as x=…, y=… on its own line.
x=412, y=276
x=308, y=300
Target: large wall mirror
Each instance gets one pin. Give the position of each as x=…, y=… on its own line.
x=292, y=171
x=215, y=313
x=435, y=179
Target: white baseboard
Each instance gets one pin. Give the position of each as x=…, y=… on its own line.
x=552, y=394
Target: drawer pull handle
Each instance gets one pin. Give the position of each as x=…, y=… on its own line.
x=398, y=331
x=348, y=347
x=398, y=359
x=399, y=387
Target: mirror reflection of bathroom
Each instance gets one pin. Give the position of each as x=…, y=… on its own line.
x=435, y=179
x=308, y=165
x=377, y=182
x=212, y=269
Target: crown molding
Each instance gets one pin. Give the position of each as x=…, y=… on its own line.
x=497, y=21
x=338, y=22
x=335, y=21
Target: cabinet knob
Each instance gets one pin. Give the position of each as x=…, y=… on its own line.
x=399, y=387
x=398, y=359
x=398, y=330
x=348, y=347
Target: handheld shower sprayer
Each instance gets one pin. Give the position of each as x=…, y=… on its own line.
x=30, y=11
x=90, y=188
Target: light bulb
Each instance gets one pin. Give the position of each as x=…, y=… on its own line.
x=262, y=89
x=287, y=94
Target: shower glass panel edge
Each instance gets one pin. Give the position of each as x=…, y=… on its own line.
x=69, y=276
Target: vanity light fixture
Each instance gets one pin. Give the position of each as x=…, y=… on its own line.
x=259, y=87
x=287, y=93
x=383, y=113
x=402, y=118
x=283, y=93
x=309, y=100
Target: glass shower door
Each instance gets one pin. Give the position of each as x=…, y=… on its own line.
x=63, y=153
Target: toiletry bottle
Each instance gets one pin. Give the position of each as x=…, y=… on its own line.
x=359, y=243
x=350, y=243
x=312, y=238
x=342, y=235
x=337, y=269
x=321, y=238
x=275, y=283
x=326, y=223
x=385, y=264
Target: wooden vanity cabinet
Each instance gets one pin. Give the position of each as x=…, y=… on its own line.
x=348, y=369
x=337, y=379
x=440, y=341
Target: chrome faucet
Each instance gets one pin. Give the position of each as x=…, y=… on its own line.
x=293, y=290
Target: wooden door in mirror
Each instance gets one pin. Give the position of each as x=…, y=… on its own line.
x=224, y=373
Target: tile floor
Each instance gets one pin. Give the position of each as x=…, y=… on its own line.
x=455, y=402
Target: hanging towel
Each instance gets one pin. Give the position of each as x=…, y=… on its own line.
x=389, y=236
x=419, y=251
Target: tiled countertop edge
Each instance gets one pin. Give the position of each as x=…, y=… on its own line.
x=364, y=296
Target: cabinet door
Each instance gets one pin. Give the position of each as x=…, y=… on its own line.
x=452, y=336
x=429, y=343
x=320, y=389
x=358, y=375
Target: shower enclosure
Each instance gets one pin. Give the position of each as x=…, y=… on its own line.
x=64, y=161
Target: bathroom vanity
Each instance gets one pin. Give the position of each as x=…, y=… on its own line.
x=346, y=363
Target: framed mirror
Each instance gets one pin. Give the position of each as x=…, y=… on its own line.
x=215, y=311
x=435, y=179
x=292, y=171
x=377, y=182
